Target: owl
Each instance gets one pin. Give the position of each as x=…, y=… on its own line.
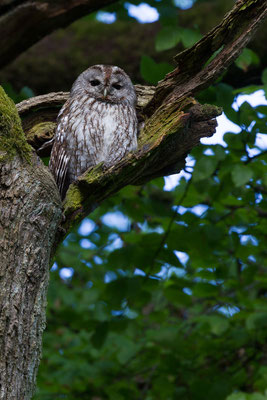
x=98, y=123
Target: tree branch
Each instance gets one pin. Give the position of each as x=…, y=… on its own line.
x=208, y=58
x=163, y=145
x=174, y=121
x=34, y=19
x=162, y=148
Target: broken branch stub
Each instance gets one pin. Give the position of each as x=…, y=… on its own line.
x=165, y=141
x=167, y=137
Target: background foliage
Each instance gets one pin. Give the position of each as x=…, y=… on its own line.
x=161, y=295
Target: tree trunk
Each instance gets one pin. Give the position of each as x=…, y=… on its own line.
x=30, y=212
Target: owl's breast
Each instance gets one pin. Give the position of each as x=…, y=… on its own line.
x=102, y=132
x=111, y=126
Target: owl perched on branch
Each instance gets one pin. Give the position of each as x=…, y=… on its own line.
x=97, y=124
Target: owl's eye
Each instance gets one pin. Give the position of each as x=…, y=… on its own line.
x=117, y=86
x=95, y=82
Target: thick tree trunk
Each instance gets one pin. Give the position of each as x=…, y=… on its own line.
x=30, y=213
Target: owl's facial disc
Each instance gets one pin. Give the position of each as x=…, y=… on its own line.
x=105, y=86
x=106, y=83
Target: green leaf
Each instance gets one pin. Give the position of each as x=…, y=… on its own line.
x=247, y=89
x=176, y=296
x=225, y=98
x=241, y=174
x=190, y=37
x=264, y=179
x=219, y=151
x=153, y=72
x=127, y=349
x=247, y=114
x=26, y=92
x=167, y=38
x=247, y=58
x=237, y=396
x=218, y=325
x=257, y=320
x=234, y=140
x=204, y=168
x=257, y=396
x=163, y=334
x=100, y=334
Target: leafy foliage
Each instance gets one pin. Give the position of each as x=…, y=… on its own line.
x=162, y=294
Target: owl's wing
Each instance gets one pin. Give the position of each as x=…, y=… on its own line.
x=59, y=166
x=60, y=155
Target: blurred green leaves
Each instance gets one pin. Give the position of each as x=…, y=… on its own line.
x=246, y=59
x=17, y=97
x=153, y=72
x=169, y=36
x=241, y=174
x=134, y=318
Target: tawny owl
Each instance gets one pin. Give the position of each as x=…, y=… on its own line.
x=97, y=124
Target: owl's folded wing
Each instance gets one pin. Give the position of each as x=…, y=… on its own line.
x=58, y=165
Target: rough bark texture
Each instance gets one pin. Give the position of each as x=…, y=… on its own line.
x=32, y=20
x=30, y=205
x=30, y=213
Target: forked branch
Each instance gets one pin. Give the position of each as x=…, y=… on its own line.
x=174, y=121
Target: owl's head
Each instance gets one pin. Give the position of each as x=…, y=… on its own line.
x=105, y=83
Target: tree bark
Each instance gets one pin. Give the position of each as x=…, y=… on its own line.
x=30, y=220
x=32, y=20
x=30, y=213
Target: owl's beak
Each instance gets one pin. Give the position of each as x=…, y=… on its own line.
x=105, y=92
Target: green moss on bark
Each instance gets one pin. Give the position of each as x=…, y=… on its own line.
x=248, y=4
x=41, y=130
x=12, y=139
x=74, y=198
x=168, y=119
